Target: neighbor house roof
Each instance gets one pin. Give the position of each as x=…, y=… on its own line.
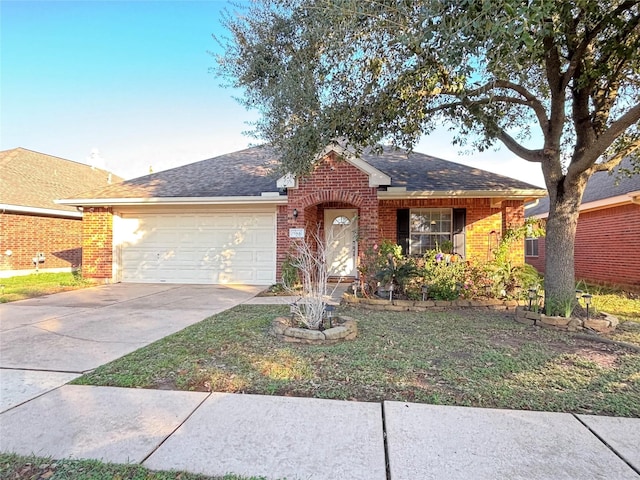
x=32, y=181
x=603, y=189
x=253, y=173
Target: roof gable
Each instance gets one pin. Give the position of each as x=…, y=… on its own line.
x=376, y=177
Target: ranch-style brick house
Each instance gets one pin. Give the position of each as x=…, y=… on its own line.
x=606, y=246
x=35, y=232
x=229, y=219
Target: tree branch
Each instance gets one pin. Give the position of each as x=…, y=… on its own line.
x=589, y=156
x=615, y=160
x=532, y=101
x=631, y=117
x=515, y=147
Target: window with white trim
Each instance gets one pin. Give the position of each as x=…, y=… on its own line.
x=531, y=247
x=429, y=227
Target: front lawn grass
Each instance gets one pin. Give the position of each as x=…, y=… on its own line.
x=17, y=467
x=39, y=284
x=459, y=357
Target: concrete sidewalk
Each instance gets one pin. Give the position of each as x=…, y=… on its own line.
x=313, y=439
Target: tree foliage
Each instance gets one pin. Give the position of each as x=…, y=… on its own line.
x=373, y=71
x=513, y=71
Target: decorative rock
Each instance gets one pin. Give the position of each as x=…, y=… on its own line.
x=555, y=321
x=443, y=303
x=598, y=325
x=425, y=304
x=395, y=308
x=404, y=303
x=378, y=308
x=305, y=333
x=525, y=321
x=335, y=333
x=613, y=321
x=279, y=326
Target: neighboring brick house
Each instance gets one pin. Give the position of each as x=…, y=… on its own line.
x=606, y=247
x=35, y=232
x=230, y=220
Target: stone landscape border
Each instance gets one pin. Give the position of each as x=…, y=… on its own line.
x=426, y=305
x=571, y=324
x=346, y=329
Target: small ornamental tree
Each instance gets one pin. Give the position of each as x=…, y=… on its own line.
x=309, y=256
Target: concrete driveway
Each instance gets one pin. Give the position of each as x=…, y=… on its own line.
x=47, y=341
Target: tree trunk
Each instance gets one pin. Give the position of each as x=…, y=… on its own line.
x=559, y=280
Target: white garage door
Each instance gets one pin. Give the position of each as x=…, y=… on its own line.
x=208, y=248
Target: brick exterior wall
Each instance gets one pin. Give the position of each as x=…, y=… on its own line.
x=97, y=243
x=606, y=249
x=60, y=240
x=484, y=225
x=332, y=184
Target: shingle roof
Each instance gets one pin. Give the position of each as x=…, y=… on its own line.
x=600, y=186
x=420, y=172
x=248, y=172
x=32, y=179
x=252, y=171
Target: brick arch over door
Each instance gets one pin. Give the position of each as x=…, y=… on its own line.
x=329, y=196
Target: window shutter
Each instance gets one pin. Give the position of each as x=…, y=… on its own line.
x=402, y=218
x=459, y=223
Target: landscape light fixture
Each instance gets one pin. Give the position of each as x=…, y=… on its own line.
x=390, y=292
x=578, y=295
x=587, y=302
x=533, y=293
x=425, y=291
x=329, y=311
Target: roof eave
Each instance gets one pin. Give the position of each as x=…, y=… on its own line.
x=515, y=194
x=270, y=198
x=48, y=212
x=630, y=197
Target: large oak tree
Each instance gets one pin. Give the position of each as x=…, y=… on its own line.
x=557, y=82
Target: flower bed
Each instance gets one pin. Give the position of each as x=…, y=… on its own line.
x=604, y=324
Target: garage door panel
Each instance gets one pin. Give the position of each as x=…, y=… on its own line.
x=200, y=248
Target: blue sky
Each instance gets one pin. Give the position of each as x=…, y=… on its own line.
x=130, y=82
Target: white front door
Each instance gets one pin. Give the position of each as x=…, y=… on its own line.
x=340, y=228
